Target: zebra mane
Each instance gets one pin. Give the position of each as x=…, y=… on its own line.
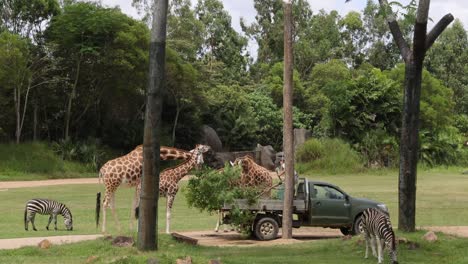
x=66, y=212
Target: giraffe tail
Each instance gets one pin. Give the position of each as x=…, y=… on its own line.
x=98, y=208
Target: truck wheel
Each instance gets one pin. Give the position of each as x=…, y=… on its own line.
x=266, y=229
x=345, y=230
x=357, y=226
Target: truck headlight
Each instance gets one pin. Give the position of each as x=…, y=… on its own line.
x=383, y=207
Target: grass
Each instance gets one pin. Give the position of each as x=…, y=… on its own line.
x=441, y=200
x=36, y=161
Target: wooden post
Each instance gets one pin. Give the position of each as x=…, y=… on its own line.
x=288, y=137
x=147, y=228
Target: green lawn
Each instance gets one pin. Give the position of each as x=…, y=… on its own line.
x=442, y=200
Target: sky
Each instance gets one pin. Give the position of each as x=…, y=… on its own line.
x=245, y=9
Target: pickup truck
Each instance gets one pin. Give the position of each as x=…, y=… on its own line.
x=315, y=203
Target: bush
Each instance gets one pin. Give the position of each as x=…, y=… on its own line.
x=329, y=155
x=210, y=189
x=84, y=152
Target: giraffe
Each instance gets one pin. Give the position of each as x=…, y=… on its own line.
x=169, y=179
x=128, y=170
x=252, y=175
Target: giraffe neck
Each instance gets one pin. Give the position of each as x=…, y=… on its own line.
x=182, y=169
x=168, y=153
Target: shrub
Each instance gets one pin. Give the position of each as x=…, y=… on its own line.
x=329, y=155
x=210, y=189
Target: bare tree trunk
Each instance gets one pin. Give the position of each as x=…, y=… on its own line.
x=176, y=120
x=35, y=109
x=409, y=141
x=288, y=136
x=17, y=99
x=71, y=97
x=147, y=228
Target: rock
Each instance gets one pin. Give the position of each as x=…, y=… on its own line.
x=44, y=244
x=214, y=261
x=267, y=156
x=91, y=259
x=152, y=261
x=123, y=241
x=300, y=136
x=187, y=260
x=210, y=137
x=430, y=236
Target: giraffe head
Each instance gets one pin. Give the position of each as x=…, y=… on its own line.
x=244, y=162
x=198, y=152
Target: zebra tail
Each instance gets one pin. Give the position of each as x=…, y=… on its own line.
x=98, y=208
x=25, y=217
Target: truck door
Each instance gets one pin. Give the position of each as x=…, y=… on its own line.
x=328, y=206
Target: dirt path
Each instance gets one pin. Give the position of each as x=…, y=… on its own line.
x=205, y=238
x=12, y=243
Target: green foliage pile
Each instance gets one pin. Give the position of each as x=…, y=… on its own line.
x=35, y=158
x=328, y=155
x=210, y=189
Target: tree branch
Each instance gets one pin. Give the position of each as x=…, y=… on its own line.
x=437, y=30
x=396, y=31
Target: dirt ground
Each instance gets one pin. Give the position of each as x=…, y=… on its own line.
x=205, y=238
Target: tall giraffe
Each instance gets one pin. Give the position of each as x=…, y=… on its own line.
x=252, y=175
x=169, y=179
x=128, y=170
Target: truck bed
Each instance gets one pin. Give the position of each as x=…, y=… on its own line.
x=266, y=205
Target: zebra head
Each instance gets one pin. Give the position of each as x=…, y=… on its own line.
x=68, y=221
x=391, y=247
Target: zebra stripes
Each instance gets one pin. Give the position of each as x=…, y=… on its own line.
x=378, y=232
x=44, y=207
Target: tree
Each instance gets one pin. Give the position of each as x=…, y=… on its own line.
x=409, y=142
x=101, y=51
x=14, y=74
x=148, y=225
x=448, y=61
x=221, y=42
x=288, y=136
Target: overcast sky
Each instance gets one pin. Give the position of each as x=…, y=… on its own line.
x=245, y=9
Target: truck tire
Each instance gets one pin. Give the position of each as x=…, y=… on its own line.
x=345, y=230
x=266, y=228
x=357, y=229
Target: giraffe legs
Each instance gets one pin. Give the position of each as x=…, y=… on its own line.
x=135, y=203
x=116, y=219
x=170, y=200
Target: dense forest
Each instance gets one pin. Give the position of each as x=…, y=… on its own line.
x=75, y=72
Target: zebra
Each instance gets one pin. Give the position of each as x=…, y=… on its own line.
x=378, y=231
x=50, y=207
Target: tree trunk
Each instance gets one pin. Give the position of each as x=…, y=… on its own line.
x=288, y=136
x=176, y=120
x=17, y=99
x=409, y=141
x=70, y=98
x=147, y=228
x=409, y=147
x=35, y=109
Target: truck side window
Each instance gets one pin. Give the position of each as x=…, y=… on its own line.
x=326, y=192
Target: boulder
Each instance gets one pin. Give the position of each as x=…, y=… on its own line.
x=267, y=156
x=430, y=236
x=210, y=137
x=300, y=136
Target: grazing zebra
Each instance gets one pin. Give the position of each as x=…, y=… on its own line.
x=378, y=232
x=45, y=206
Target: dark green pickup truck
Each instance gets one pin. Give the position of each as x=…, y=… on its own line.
x=315, y=204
